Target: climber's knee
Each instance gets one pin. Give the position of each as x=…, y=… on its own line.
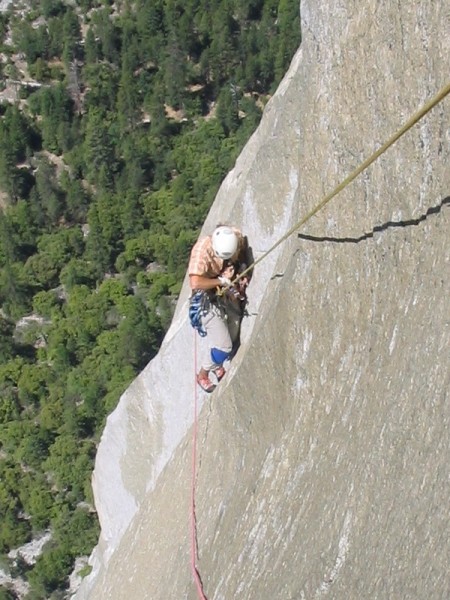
x=219, y=356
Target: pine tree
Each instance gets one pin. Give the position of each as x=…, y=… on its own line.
x=99, y=152
x=72, y=36
x=289, y=35
x=91, y=48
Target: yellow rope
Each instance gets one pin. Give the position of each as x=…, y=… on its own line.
x=412, y=121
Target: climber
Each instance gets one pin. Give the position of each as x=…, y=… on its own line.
x=217, y=306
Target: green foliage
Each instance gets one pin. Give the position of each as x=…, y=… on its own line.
x=69, y=465
x=99, y=147
x=46, y=304
x=52, y=8
x=16, y=139
x=76, y=198
x=91, y=48
x=14, y=129
x=107, y=171
x=3, y=27
x=9, y=404
x=102, y=82
x=14, y=293
x=14, y=529
x=50, y=571
x=288, y=27
x=79, y=532
x=71, y=35
x=33, y=42
x=7, y=594
x=33, y=383
x=56, y=108
x=109, y=35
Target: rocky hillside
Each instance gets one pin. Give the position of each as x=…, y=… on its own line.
x=323, y=455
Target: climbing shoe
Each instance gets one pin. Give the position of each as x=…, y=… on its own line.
x=219, y=373
x=205, y=383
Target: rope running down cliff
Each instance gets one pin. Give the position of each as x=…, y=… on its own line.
x=194, y=546
x=415, y=118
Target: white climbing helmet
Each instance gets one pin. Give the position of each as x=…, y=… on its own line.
x=224, y=242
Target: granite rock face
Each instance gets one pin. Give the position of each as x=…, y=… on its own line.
x=323, y=455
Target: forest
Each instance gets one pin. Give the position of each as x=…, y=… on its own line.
x=118, y=122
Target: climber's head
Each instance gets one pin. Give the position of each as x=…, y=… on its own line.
x=224, y=242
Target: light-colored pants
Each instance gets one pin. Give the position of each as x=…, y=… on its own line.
x=221, y=323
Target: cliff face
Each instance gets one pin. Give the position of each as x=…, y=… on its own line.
x=323, y=455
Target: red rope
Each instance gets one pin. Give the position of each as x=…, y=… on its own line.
x=194, y=546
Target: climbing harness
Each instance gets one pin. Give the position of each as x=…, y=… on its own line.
x=410, y=123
